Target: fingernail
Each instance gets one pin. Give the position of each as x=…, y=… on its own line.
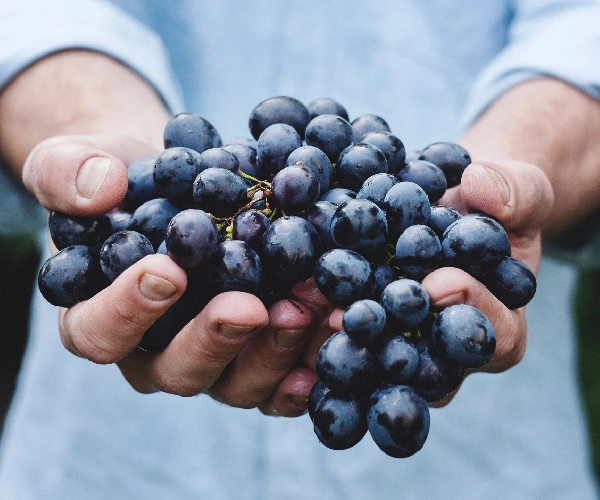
x=234, y=331
x=457, y=298
x=299, y=400
x=91, y=176
x=288, y=338
x=156, y=288
x=502, y=185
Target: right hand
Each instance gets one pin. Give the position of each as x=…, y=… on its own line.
x=87, y=175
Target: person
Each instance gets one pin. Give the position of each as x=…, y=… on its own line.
x=87, y=89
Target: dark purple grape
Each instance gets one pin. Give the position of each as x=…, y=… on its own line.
x=345, y=367
x=152, y=218
x=357, y=163
x=273, y=289
x=174, y=172
x=412, y=155
x=398, y=420
x=475, y=244
x=418, y=252
x=366, y=123
x=436, y=375
x=364, y=322
x=465, y=335
x=280, y=109
x=242, y=140
x=315, y=396
x=121, y=250
x=383, y=275
x=398, y=360
x=68, y=230
x=441, y=217
x=340, y=422
x=360, y=225
x=451, y=158
x=319, y=216
x=220, y=192
x=331, y=134
x=274, y=146
x=337, y=196
x=250, y=226
x=71, y=275
x=406, y=204
x=391, y=146
x=406, y=303
x=427, y=175
x=247, y=158
x=294, y=189
x=191, y=238
x=140, y=183
x=316, y=161
x=511, y=282
x=119, y=220
x=190, y=130
x=376, y=187
x=344, y=276
x=218, y=158
x=291, y=246
x=327, y=106
x=235, y=266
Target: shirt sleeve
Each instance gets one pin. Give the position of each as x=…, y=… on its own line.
x=32, y=29
x=559, y=38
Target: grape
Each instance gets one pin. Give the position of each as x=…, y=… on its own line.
x=275, y=145
x=119, y=220
x=398, y=360
x=220, y=192
x=247, y=159
x=338, y=196
x=366, y=123
x=316, y=161
x=140, y=182
x=218, y=158
x=383, y=275
x=190, y=130
x=427, y=175
x=418, y=252
x=406, y=204
x=152, y=218
x=191, y=238
x=280, y=109
x=391, y=146
x=294, y=189
x=319, y=215
x=364, y=322
x=68, y=230
x=451, y=158
x=398, y=420
x=441, y=217
x=465, y=335
x=235, y=266
x=71, y=275
x=475, y=244
x=358, y=162
x=406, y=303
x=291, y=246
x=327, y=106
x=343, y=276
x=339, y=421
x=318, y=391
x=174, y=172
x=250, y=226
x=331, y=134
x=121, y=250
x=360, y=225
x=512, y=282
x=376, y=187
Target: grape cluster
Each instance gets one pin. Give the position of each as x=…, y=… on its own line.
x=311, y=194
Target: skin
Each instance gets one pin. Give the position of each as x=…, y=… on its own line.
x=93, y=108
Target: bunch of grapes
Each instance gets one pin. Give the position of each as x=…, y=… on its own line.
x=311, y=195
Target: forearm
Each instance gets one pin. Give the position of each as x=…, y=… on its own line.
x=552, y=125
x=76, y=92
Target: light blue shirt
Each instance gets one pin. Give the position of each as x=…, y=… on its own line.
x=77, y=430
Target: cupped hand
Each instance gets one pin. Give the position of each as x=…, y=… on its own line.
x=235, y=350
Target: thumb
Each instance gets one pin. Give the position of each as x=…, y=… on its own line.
x=518, y=194
x=81, y=175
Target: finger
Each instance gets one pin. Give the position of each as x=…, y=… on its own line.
x=448, y=286
x=291, y=397
x=111, y=324
x=199, y=353
x=308, y=293
x=255, y=373
x=81, y=175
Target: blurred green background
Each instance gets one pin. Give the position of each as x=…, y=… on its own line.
x=19, y=262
